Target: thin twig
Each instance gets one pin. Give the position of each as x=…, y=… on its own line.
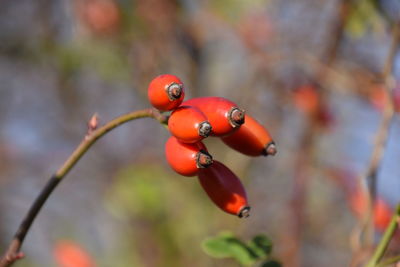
x=12, y=254
x=387, y=236
x=336, y=33
x=387, y=113
x=381, y=135
x=292, y=238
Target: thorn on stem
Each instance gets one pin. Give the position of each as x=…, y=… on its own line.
x=19, y=255
x=93, y=123
x=12, y=257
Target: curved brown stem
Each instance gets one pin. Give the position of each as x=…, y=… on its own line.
x=13, y=252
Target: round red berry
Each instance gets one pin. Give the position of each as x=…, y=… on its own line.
x=166, y=92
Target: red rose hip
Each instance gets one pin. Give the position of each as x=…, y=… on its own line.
x=225, y=189
x=166, y=92
x=251, y=139
x=186, y=159
x=188, y=124
x=223, y=114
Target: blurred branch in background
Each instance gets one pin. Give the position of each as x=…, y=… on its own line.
x=386, y=122
x=317, y=120
x=369, y=180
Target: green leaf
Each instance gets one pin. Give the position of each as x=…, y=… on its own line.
x=261, y=245
x=271, y=263
x=217, y=247
x=225, y=245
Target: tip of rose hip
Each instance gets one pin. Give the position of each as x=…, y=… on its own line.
x=270, y=149
x=244, y=212
x=205, y=129
x=174, y=91
x=236, y=117
x=204, y=159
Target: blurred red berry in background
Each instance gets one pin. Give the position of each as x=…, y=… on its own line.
x=100, y=16
x=70, y=254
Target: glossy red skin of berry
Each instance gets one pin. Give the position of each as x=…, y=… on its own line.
x=158, y=95
x=217, y=111
x=224, y=188
x=250, y=139
x=184, y=124
x=182, y=157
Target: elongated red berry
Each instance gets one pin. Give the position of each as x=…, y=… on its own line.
x=166, y=92
x=188, y=124
x=251, y=139
x=187, y=159
x=225, y=189
x=223, y=114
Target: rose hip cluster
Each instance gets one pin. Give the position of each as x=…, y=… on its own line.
x=195, y=119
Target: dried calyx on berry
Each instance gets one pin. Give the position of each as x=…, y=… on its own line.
x=244, y=212
x=203, y=159
x=174, y=91
x=270, y=149
x=236, y=117
x=204, y=128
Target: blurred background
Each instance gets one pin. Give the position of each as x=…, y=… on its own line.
x=309, y=70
